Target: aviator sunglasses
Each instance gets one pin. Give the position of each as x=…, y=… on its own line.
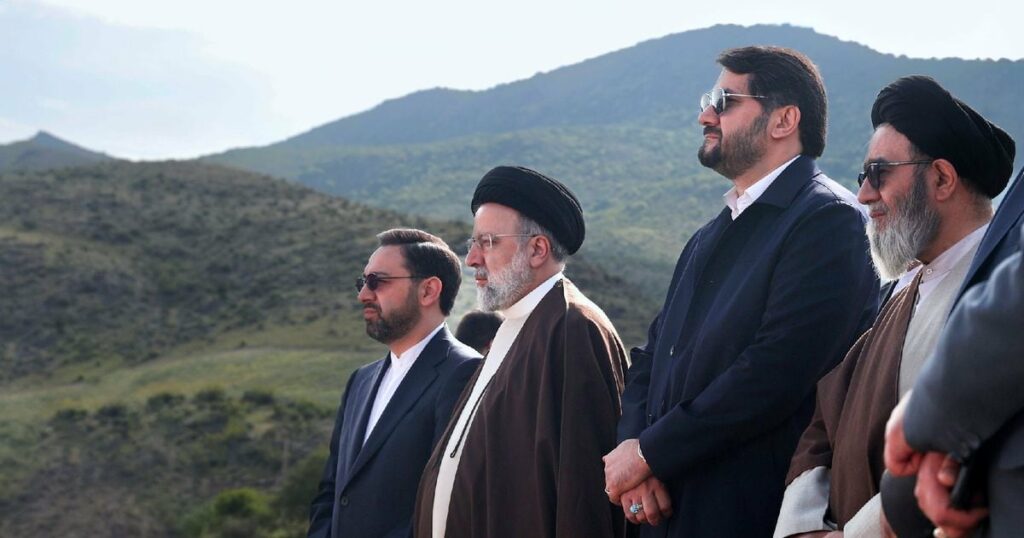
x=718, y=98
x=373, y=281
x=873, y=171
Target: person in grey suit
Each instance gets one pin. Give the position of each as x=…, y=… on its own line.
x=394, y=410
x=967, y=402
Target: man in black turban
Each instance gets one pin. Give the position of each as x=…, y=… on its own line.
x=932, y=166
x=965, y=405
x=522, y=454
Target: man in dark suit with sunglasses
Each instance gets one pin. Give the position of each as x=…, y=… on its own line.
x=765, y=299
x=395, y=409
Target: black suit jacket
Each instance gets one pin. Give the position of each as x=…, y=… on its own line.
x=369, y=490
x=758, y=310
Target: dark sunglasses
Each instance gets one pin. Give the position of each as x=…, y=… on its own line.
x=873, y=171
x=718, y=98
x=373, y=281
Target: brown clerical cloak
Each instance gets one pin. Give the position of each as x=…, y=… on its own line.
x=847, y=433
x=531, y=465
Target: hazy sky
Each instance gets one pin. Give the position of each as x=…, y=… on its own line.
x=155, y=79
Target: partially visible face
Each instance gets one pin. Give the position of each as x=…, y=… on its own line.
x=503, y=273
x=904, y=222
x=735, y=140
x=392, y=310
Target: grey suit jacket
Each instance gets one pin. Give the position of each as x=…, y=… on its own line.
x=971, y=392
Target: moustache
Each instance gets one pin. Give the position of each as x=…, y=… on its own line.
x=480, y=273
x=373, y=306
x=712, y=130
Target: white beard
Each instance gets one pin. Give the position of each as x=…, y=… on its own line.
x=507, y=286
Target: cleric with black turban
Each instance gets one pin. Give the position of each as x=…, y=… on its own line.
x=522, y=452
x=944, y=127
x=927, y=223
x=544, y=200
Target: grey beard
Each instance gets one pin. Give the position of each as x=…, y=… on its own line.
x=504, y=288
x=912, y=226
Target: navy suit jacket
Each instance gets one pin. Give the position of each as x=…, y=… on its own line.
x=369, y=490
x=758, y=310
x=1001, y=238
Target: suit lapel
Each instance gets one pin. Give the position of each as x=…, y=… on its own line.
x=679, y=308
x=1007, y=217
x=420, y=377
x=366, y=393
x=780, y=193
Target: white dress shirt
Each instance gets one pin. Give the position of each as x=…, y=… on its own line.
x=739, y=203
x=396, y=372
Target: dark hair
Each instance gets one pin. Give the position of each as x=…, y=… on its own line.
x=785, y=77
x=477, y=329
x=427, y=255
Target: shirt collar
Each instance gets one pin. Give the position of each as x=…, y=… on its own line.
x=944, y=263
x=739, y=203
x=524, y=306
x=412, y=353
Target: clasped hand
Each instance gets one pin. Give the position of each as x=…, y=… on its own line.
x=629, y=482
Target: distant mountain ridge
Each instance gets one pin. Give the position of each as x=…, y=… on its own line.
x=619, y=129
x=644, y=83
x=44, y=151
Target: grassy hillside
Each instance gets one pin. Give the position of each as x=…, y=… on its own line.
x=124, y=261
x=641, y=188
x=619, y=129
x=175, y=338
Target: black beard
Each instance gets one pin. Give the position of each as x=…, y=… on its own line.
x=747, y=150
x=397, y=324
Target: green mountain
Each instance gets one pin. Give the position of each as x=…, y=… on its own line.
x=124, y=261
x=619, y=129
x=44, y=151
x=174, y=338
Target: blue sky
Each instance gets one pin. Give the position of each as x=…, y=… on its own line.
x=155, y=79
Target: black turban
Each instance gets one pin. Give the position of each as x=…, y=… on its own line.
x=944, y=127
x=540, y=198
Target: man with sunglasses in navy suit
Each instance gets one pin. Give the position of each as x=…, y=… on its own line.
x=395, y=409
x=765, y=300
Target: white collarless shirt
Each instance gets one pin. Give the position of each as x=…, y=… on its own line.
x=515, y=317
x=936, y=271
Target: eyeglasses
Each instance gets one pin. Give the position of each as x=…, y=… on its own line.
x=373, y=281
x=719, y=97
x=873, y=171
x=486, y=241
